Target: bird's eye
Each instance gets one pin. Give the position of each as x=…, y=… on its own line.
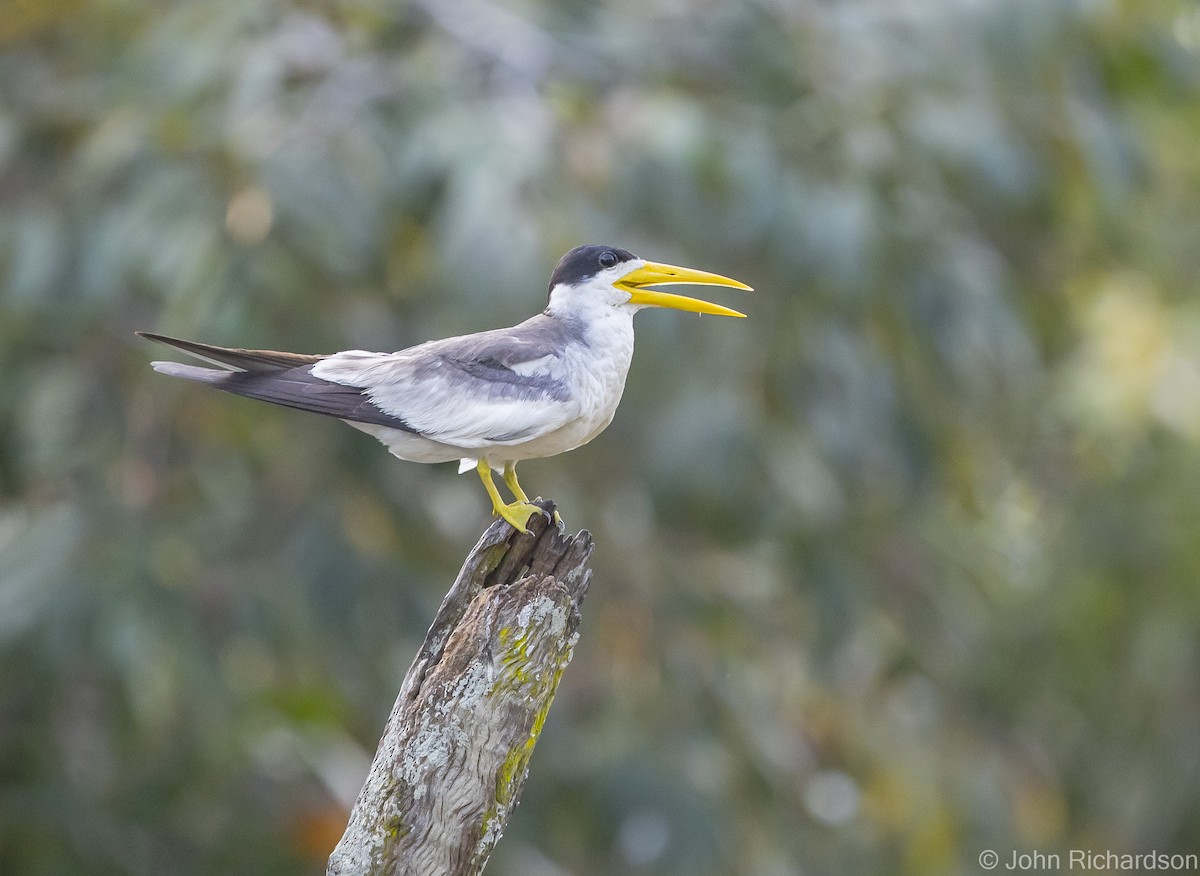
x=608, y=258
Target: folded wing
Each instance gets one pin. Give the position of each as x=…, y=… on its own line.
x=493, y=388
x=276, y=377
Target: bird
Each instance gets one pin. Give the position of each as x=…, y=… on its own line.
x=491, y=399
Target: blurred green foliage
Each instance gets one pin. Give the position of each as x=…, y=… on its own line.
x=901, y=568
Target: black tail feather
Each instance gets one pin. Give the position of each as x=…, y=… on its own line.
x=235, y=357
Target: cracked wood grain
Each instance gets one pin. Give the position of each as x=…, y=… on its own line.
x=455, y=752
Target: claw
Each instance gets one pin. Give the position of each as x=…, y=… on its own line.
x=551, y=516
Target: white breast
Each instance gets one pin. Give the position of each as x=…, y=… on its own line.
x=596, y=368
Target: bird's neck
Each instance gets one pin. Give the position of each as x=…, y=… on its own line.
x=599, y=327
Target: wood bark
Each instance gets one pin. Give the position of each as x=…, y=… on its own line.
x=455, y=752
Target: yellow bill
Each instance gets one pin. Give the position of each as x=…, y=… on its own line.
x=654, y=274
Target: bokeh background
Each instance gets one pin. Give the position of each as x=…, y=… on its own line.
x=901, y=568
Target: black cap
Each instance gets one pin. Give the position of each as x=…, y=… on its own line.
x=586, y=261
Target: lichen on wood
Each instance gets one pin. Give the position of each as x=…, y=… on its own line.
x=455, y=752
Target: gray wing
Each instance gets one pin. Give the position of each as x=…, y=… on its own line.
x=493, y=388
x=276, y=377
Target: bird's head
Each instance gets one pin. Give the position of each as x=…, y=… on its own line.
x=592, y=277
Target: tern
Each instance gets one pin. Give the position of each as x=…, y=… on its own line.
x=490, y=399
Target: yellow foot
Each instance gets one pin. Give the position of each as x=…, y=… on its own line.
x=518, y=514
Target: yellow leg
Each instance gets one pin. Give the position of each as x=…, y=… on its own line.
x=510, y=478
x=516, y=513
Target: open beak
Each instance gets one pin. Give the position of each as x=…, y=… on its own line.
x=653, y=274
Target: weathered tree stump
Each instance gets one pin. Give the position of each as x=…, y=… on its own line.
x=454, y=755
